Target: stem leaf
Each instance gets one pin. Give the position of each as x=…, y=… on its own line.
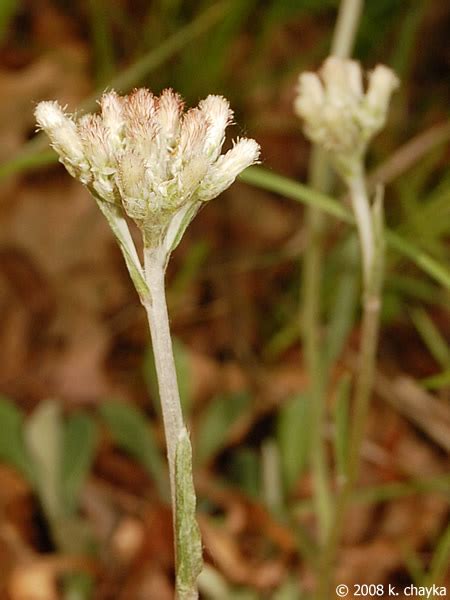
x=187, y=532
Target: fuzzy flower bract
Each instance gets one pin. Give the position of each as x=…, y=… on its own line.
x=146, y=155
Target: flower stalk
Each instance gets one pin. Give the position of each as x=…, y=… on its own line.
x=158, y=319
x=145, y=159
x=320, y=178
x=342, y=119
x=370, y=229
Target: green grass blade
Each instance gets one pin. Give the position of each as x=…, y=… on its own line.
x=431, y=336
x=423, y=260
x=436, y=382
x=272, y=182
x=441, y=559
x=386, y=492
x=278, y=184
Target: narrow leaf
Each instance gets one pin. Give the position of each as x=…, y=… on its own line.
x=436, y=382
x=431, y=336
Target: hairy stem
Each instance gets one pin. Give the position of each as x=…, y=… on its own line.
x=188, y=548
x=158, y=318
x=346, y=26
x=320, y=179
x=372, y=255
x=363, y=216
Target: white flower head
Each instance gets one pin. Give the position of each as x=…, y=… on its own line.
x=148, y=156
x=338, y=114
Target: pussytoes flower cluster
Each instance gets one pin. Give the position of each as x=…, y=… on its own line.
x=146, y=155
x=338, y=114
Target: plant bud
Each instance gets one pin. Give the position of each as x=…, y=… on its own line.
x=149, y=157
x=337, y=114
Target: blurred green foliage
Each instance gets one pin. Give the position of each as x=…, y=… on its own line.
x=216, y=421
x=130, y=430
